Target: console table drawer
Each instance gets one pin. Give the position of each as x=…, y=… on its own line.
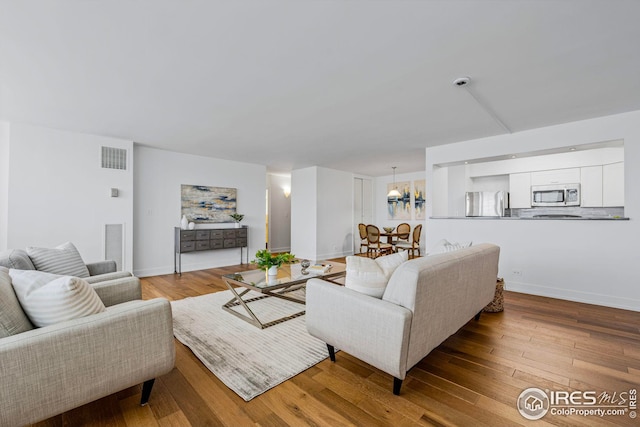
x=216, y=244
x=229, y=243
x=241, y=241
x=187, y=235
x=187, y=246
x=241, y=232
x=217, y=234
x=202, y=245
x=202, y=234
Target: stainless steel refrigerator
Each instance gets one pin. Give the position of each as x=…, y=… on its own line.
x=486, y=203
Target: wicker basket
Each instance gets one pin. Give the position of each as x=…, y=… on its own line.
x=498, y=299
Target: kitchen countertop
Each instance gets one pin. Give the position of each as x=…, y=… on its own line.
x=543, y=218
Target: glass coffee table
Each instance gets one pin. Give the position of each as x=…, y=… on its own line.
x=290, y=277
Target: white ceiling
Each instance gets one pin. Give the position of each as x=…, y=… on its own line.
x=352, y=85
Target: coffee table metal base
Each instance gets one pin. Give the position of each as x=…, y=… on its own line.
x=251, y=317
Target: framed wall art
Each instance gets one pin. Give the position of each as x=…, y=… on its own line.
x=419, y=188
x=399, y=207
x=208, y=204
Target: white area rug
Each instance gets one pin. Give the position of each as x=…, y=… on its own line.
x=247, y=359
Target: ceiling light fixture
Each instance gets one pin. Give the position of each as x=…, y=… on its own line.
x=394, y=192
x=464, y=83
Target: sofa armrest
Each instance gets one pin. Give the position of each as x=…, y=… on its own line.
x=107, y=276
x=368, y=328
x=101, y=267
x=52, y=369
x=117, y=291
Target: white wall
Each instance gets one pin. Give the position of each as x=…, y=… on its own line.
x=279, y=213
x=304, y=212
x=335, y=214
x=59, y=192
x=158, y=177
x=4, y=183
x=321, y=213
x=589, y=261
x=381, y=218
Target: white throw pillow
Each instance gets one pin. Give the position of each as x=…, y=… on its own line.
x=50, y=298
x=389, y=263
x=444, y=246
x=64, y=259
x=370, y=276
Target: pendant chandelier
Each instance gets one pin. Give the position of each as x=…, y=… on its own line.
x=394, y=192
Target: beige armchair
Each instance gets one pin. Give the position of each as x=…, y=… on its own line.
x=52, y=369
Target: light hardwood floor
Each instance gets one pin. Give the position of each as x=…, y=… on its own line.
x=472, y=379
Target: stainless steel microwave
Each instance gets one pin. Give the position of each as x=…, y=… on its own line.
x=555, y=195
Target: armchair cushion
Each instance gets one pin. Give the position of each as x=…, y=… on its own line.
x=48, y=298
x=12, y=318
x=370, y=276
x=64, y=259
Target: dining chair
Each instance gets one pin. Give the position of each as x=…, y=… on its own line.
x=403, y=232
x=415, y=243
x=364, y=242
x=375, y=246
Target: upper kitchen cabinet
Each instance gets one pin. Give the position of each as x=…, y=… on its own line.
x=613, y=184
x=520, y=190
x=556, y=176
x=597, y=166
x=591, y=186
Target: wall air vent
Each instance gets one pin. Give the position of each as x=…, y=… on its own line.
x=114, y=158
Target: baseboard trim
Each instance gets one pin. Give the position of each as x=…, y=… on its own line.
x=576, y=296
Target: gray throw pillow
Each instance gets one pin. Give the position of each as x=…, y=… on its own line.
x=16, y=258
x=64, y=259
x=13, y=320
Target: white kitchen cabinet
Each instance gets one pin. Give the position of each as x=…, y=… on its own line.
x=591, y=186
x=556, y=176
x=520, y=190
x=613, y=184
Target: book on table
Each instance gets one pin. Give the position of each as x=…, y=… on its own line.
x=319, y=268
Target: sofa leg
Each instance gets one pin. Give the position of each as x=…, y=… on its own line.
x=146, y=391
x=397, y=383
x=332, y=352
x=478, y=315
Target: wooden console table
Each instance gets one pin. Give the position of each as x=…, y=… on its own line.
x=208, y=240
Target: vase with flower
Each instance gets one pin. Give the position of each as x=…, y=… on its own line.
x=237, y=218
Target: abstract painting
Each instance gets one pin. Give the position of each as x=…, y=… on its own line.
x=399, y=207
x=419, y=198
x=208, y=204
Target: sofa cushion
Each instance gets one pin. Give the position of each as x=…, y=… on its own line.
x=50, y=298
x=12, y=318
x=16, y=258
x=64, y=259
x=370, y=276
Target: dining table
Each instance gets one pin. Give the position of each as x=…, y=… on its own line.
x=389, y=235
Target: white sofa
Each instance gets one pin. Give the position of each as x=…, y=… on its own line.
x=426, y=300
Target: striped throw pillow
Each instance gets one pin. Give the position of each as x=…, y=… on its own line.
x=64, y=259
x=48, y=298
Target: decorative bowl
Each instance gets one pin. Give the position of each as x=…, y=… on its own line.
x=388, y=229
